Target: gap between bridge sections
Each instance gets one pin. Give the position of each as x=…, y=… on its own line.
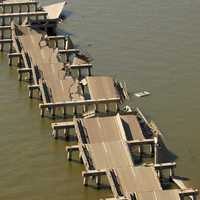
x=118, y=144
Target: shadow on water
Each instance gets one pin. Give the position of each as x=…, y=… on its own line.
x=164, y=153
x=66, y=14
x=83, y=49
x=63, y=32
x=70, y=138
x=127, y=130
x=182, y=178
x=76, y=161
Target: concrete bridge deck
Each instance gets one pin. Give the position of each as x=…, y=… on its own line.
x=53, y=11
x=54, y=77
x=106, y=141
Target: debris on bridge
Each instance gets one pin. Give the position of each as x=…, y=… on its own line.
x=113, y=141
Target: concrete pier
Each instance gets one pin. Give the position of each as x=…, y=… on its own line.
x=109, y=139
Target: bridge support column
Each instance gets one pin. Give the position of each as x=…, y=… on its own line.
x=165, y=166
x=97, y=174
x=22, y=71
x=42, y=111
x=70, y=150
x=192, y=194
x=31, y=89
x=55, y=133
x=63, y=126
x=53, y=112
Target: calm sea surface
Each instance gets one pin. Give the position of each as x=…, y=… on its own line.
x=153, y=45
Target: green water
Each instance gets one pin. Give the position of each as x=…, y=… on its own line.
x=153, y=45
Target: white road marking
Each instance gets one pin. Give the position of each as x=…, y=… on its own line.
x=98, y=122
x=155, y=195
x=62, y=85
x=105, y=148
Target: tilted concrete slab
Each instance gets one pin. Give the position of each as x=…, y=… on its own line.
x=132, y=127
x=109, y=151
x=54, y=10
x=63, y=88
x=102, y=86
x=159, y=195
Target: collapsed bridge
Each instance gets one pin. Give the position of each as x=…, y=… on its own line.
x=111, y=142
